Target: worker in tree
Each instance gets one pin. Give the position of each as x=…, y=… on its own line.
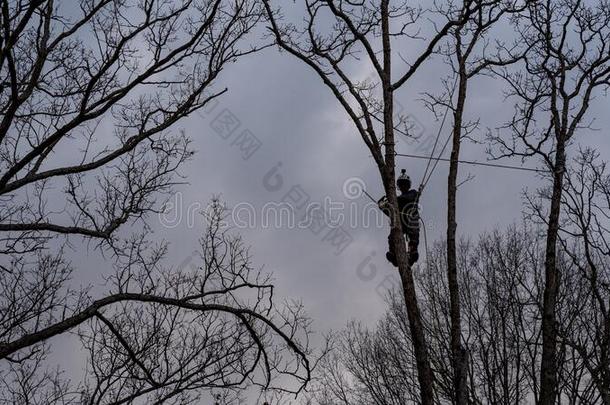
x=408, y=201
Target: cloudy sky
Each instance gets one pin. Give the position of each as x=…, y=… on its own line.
x=287, y=135
x=307, y=140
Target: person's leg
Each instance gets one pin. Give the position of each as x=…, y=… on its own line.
x=391, y=255
x=413, y=243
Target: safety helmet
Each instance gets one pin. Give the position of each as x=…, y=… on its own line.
x=403, y=178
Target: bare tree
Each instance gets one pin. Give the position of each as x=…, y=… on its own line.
x=90, y=93
x=499, y=278
x=502, y=280
x=471, y=50
x=124, y=70
x=161, y=334
x=334, y=36
x=584, y=236
x=567, y=65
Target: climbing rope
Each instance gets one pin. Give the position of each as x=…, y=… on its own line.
x=430, y=168
x=438, y=135
x=429, y=171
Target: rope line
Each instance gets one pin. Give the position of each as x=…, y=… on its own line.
x=429, y=172
x=438, y=135
x=474, y=163
x=426, y=180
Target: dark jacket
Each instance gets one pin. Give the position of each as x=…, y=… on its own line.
x=409, y=211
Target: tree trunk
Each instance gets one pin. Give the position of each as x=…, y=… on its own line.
x=548, y=366
x=459, y=358
x=424, y=371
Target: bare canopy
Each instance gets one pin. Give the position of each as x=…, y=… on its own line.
x=90, y=93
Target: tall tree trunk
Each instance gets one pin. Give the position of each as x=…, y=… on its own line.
x=459, y=358
x=424, y=370
x=548, y=366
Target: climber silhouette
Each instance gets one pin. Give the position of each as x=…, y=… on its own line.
x=408, y=201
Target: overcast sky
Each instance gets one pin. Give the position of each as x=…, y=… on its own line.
x=307, y=141
x=302, y=127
